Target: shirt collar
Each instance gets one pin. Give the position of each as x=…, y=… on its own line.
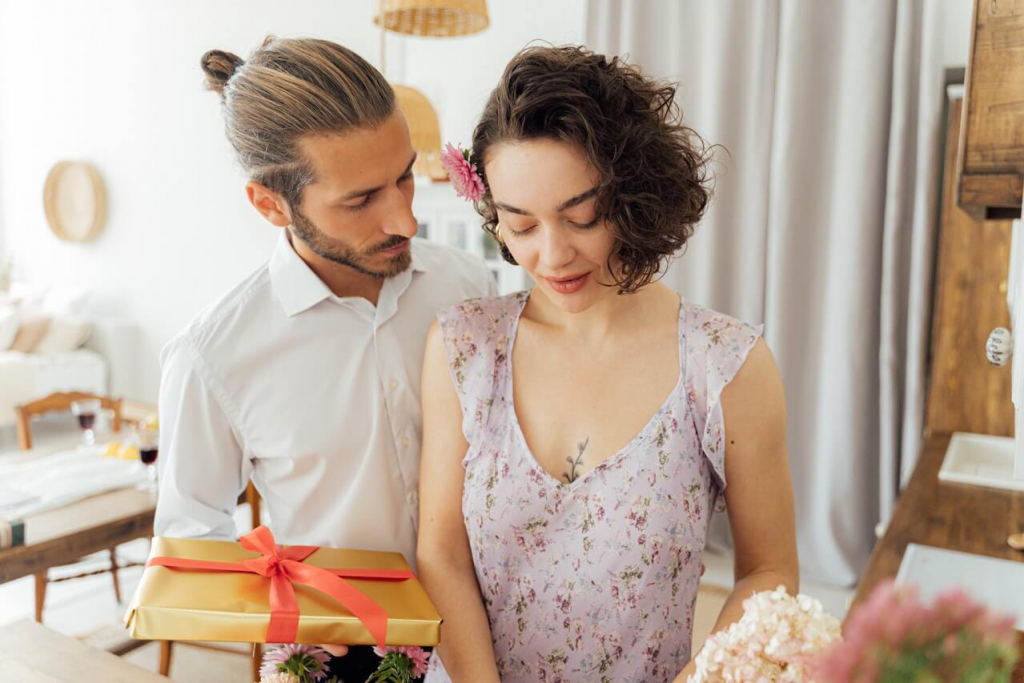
x=295, y=284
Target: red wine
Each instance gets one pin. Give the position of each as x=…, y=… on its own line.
x=86, y=420
x=148, y=455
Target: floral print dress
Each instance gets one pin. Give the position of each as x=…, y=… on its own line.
x=593, y=580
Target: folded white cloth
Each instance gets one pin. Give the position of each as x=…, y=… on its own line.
x=37, y=484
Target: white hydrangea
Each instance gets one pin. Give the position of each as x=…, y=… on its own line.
x=773, y=641
x=283, y=677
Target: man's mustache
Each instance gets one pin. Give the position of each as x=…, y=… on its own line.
x=391, y=243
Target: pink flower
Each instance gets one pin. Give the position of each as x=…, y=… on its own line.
x=894, y=630
x=416, y=655
x=291, y=657
x=463, y=173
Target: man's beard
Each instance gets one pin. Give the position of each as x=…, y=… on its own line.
x=356, y=259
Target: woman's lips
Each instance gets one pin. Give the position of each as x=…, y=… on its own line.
x=569, y=285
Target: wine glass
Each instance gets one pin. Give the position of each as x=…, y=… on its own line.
x=86, y=411
x=149, y=446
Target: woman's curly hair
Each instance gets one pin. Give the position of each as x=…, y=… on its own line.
x=654, y=177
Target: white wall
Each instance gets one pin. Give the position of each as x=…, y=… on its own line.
x=118, y=83
x=458, y=74
x=956, y=37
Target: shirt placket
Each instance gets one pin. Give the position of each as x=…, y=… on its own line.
x=396, y=386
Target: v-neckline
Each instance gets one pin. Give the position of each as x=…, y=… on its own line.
x=524, y=298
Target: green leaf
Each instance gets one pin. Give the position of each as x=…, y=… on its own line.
x=394, y=668
x=300, y=665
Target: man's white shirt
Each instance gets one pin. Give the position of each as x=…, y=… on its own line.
x=316, y=397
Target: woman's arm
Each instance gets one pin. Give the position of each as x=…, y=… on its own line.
x=759, y=491
x=443, y=556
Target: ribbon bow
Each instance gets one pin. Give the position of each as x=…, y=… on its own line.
x=285, y=566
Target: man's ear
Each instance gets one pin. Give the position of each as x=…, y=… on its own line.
x=270, y=204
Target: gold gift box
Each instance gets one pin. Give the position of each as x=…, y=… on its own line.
x=178, y=604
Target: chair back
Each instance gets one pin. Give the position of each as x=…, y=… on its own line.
x=59, y=402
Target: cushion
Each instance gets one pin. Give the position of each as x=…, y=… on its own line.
x=9, y=321
x=64, y=334
x=62, y=301
x=31, y=330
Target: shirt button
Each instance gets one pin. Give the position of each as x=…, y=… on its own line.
x=394, y=384
x=405, y=442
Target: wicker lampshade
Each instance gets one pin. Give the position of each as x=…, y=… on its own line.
x=424, y=131
x=435, y=18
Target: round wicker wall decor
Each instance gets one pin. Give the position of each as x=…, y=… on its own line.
x=75, y=201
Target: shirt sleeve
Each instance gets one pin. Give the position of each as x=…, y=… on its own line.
x=201, y=459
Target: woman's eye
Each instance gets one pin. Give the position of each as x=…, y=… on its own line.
x=586, y=226
x=520, y=233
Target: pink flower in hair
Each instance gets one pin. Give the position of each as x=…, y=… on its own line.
x=463, y=173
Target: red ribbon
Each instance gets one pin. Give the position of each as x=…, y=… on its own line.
x=285, y=566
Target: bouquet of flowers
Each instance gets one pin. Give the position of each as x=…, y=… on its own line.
x=894, y=637
x=308, y=664
x=777, y=639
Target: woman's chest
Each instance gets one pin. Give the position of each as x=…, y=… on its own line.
x=577, y=409
x=661, y=485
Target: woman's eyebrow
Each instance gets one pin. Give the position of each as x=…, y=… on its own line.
x=567, y=204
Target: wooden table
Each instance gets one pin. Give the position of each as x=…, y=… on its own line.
x=32, y=653
x=970, y=519
x=66, y=535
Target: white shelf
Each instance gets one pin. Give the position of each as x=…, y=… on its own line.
x=980, y=460
x=991, y=581
x=447, y=219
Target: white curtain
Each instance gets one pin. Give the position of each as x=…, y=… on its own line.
x=822, y=226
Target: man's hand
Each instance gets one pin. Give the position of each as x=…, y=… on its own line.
x=335, y=650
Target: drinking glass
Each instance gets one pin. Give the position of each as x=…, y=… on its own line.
x=86, y=411
x=149, y=446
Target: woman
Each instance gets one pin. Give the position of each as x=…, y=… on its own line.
x=578, y=436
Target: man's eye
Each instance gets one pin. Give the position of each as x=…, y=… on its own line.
x=362, y=204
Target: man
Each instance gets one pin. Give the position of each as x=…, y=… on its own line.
x=306, y=376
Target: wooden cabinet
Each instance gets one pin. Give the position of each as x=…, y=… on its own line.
x=965, y=392
x=969, y=519
x=990, y=170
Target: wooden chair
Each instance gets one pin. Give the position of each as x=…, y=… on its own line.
x=61, y=402
x=252, y=497
x=166, y=648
